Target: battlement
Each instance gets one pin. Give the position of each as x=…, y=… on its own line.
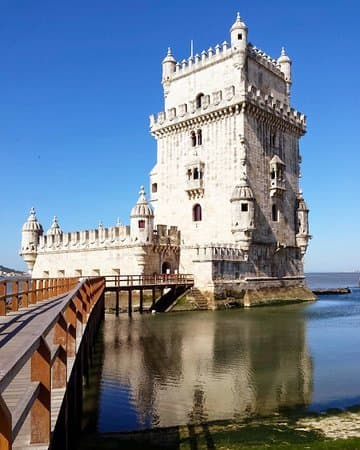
x=103, y=238
x=200, y=61
x=265, y=60
x=225, y=98
x=218, y=54
x=86, y=239
x=219, y=252
x=210, y=103
x=280, y=109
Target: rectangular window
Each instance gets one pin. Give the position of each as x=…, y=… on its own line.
x=154, y=187
x=141, y=224
x=244, y=207
x=275, y=213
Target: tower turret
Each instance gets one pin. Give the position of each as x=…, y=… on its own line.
x=285, y=66
x=302, y=235
x=31, y=231
x=243, y=214
x=238, y=37
x=168, y=68
x=141, y=220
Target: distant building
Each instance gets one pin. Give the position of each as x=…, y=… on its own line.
x=226, y=204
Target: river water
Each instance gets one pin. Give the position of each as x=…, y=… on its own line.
x=173, y=369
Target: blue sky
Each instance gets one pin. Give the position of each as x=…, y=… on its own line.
x=78, y=80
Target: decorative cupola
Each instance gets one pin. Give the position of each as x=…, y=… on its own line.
x=302, y=230
x=243, y=214
x=141, y=220
x=277, y=177
x=55, y=229
x=285, y=66
x=238, y=36
x=31, y=231
x=168, y=68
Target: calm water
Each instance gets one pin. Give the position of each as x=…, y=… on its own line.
x=171, y=369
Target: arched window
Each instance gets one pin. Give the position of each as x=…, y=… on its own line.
x=193, y=138
x=199, y=137
x=199, y=100
x=197, y=216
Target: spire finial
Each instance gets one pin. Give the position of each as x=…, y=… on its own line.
x=169, y=51
x=101, y=224
x=118, y=223
x=238, y=18
x=283, y=53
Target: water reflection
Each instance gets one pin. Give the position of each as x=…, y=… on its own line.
x=168, y=370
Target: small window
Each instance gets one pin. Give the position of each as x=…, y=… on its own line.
x=141, y=224
x=154, y=187
x=273, y=139
x=274, y=213
x=193, y=138
x=244, y=207
x=199, y=137
x=239, y=37
x=199, y=100
x=196, y=173
x=197, y=215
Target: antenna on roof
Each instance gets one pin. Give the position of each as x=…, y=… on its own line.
x=191, y=48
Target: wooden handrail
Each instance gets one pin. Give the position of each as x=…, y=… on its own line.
x=142, y=280
x=48, y=360
x=31, y=291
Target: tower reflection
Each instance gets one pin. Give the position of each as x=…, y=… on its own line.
x=173, y=369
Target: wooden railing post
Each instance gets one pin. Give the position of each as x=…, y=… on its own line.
x=70, y=315
x=25, y=294
x=41, y=409
x=39, y=293
x=3, y=299
x=5, y=426
x=32, y=299
x=15, y=296
x=59, y=368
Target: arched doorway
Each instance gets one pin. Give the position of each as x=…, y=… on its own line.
x=166, y=267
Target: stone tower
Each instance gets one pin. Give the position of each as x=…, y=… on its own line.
x=228, y=165
x=31, y=232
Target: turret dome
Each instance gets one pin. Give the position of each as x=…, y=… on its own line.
x=142, y=207
x=283, y=57
x=239, y=24
x=169, y=57
x=55, y=229
x=242, y=191
x=32, y=224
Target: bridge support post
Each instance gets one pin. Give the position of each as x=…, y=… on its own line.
x=5, y=426
x=130, y=303
x=141, y=301
x=41, y=410
x=153, y=298
x=117, y=307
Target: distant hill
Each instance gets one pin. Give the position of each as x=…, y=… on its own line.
x=8, y=270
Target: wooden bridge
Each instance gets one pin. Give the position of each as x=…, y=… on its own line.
x=47, y=329
x=173, y=284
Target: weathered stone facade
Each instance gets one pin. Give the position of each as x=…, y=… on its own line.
x=226, y=182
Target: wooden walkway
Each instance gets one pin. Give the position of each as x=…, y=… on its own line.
x=38, y=346
x=174, y=282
